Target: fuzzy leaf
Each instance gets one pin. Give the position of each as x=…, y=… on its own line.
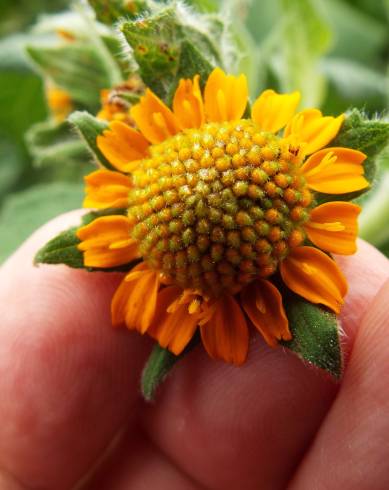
x=367, y=135
x=191, y=63
x=89, y=128
x=21, y=100
x=315, y=335
x=62, y=249
x=75, y=67
x=110, y=11
x=158, y=366
x=165, y=48
x=55, y=144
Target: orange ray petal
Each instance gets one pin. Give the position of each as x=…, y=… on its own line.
x=106, y=189
x=98, y=240
x=333, y=227
x=272, y=111
x=314, y=276
x=262, y=302
x=335, y=171
x=310, y=127
x=154, y=119
x=122, y=146
x=188, y=104
x=134, y=301
x=225, y=335
x=173, y=328
x=225, y=96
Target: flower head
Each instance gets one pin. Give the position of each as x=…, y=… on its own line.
x=59, y=103
x=219, y=202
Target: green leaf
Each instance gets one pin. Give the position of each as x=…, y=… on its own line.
x=190, y=64
x=367, y=135
x=22, y=103
x=165, y=45
x=75, y=67
x=315, y=334
x=62, y=250
x=110, y=11
x=12, y=53
x=25, y=211
x=55, y=144
x=158, y=366
x=10, y=165
x=89, y=127
x=364, y=134
x=307, y=36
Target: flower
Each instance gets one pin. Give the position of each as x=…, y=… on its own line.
x=59, y=102
x=115, y=102
x=220, y=203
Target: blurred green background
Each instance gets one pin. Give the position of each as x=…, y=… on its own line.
x=335, y=51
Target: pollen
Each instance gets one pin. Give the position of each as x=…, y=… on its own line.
x=215, y=207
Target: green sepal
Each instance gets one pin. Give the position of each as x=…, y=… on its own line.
x=370, y=136
x=63, y=249
x=166, y=48
x=158, y=366
x=110, y=11
x=315, y=333
x=89, y=128
x=52, y=143
x=75, y=67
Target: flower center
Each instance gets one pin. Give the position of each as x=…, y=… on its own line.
x=215, y=207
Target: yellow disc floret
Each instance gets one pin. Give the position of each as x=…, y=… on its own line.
x=215, y=207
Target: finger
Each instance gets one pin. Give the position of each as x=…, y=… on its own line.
x=351, y=451
x=242, y=427
x=138, y=465
x=362, y=277
x=68, y=381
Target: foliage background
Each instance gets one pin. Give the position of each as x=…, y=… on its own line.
x=335, y=51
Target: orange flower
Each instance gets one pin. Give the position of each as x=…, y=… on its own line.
x=59, y=102
x=106, y=242
x=217, y=203
x=106, y=189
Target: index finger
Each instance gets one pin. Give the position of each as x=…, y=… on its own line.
x=68, y=381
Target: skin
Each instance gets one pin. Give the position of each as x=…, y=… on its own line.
x=72, y=415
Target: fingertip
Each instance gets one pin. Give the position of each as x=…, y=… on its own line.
x=366, y=272
x=25, y=253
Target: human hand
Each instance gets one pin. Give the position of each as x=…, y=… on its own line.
x=72, y=415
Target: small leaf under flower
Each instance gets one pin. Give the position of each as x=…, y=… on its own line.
x=158, y=366
x=315, y=333
x=89, y=128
